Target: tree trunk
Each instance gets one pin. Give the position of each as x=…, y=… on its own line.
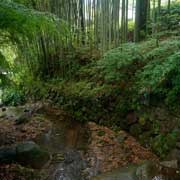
x=141, y=19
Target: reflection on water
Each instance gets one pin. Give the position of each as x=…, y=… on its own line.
x=158, y=178
x=64, y=135
x=64, y=140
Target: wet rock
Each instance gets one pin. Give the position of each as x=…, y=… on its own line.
x=121, y=176
x=38, y=108
x=21, y=114
x=2, y=114
x=30, y=154
x=13, y=113
x=7, y=155
x=174, y=155
x=71, y=168
x=23, y=118
x=146, y=171
x=178, y=145
x=3, y=109
x=128, y=173
x=170, y=164
x=93, y=171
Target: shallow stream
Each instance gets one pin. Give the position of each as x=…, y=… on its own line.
x=65, y=141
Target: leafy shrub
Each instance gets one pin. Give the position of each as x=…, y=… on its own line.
x=77, y=59
x=157, y=73
x=121, y=63
x=162, y=144
x=118, y=62
x=172, y=98
x=165, y=49
x=85, y=101
x=4, y=66
x=170, y=20
x=34, y=89
x=13, y=97
x=131, y=25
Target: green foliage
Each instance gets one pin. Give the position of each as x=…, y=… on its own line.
x=162, y=144
x=17, y=19
x=161, y=78
x=117, y=62
x=173, y=94
x=101, y=133
x=165, y=49
x=131, y=26
x=124, y=77
x=28, y=3
x=4, y=67
x=36, y=36
x=84, y=101
x=135, y=130
x=3, y=63
x=13, y=96
x=121, y=63
x=33, y=88
x=77, y=60
x=170, y=20
x=155, y=74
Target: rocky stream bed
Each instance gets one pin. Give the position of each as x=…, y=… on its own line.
x=46, y=140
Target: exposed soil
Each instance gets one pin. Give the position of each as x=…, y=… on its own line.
x=108, y=150
x=11, y=133
x=105, y=151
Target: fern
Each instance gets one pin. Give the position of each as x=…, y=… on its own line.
x=155, y=73
x=116, y=62
x=165, y=49
x=170, y=20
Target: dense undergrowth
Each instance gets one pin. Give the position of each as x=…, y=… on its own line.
x=126, y=80
x=118, y=89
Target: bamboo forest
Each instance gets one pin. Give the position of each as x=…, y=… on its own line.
x=89, y=89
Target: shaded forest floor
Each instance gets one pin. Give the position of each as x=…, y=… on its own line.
x=112, y=149
x=132, y=90
x=134, y=87
x=104, y=149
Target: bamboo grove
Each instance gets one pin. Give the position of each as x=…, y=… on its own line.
x=104, y=24
x=44, y=40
